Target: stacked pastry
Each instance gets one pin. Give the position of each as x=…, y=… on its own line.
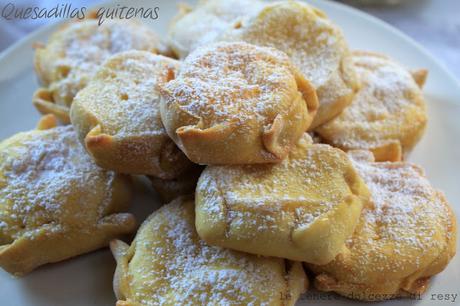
x=218, y=120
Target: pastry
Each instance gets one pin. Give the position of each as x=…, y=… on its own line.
x=117, y=116
x=168, y=264
x=55, y=203
x=388, y=114
x=314, y=44
x=236, y=103
x=405, y=235
x=201, y=25
x=184, y=184
x=73, y=53
x=301, y=209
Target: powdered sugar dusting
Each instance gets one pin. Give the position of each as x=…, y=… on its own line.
x=389, y=107
x=309, y=183
x=77, y=51
x=406, y=216
x=234, y=82
x=42, y=173
x=191, y=272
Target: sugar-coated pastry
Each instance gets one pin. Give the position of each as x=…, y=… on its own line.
x=388, y=114
x=73, y=53
x=168, y=264
x=406, y=235
x=55, y=203
x=236, y=103
x=184, y=184
x=203, y=24
x=117, y=116
x=301, y=209
x=314, y=44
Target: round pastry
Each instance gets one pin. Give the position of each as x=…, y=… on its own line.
x=184, y=184
x=201, y=25
x=168, y=264
x=406, y=235
x=117, y=116
x=301, y=209
x=74, y=52
x=55, y=203
x=388, y=114
x=314, y=44
x=236, y=103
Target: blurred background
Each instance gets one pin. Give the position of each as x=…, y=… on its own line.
x=435, y=24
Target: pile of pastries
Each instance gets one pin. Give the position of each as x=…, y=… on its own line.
x=279, y=150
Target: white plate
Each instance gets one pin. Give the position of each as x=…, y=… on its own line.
x=87, y=280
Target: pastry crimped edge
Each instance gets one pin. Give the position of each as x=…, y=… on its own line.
x=203, y=145
x=20, y=256
x=392, y=149
x=296, y=280
x=413, y=285
x=300, y=244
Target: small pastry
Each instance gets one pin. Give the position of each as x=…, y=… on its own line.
x=75, y=51
x=388, y=114
x=236, y=103
x=303, y=208
x=315, y=45
x=201, y=25
x=405, y=235
x=55, y=203
x=117, y=116
x=168, y=264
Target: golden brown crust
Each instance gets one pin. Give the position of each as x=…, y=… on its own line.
x=301, y=209
x=235, y=103
x=388, y=114
x=407, y=235
x=168, y=262
x=68, y=61
x=55, y=203
x=118, y=120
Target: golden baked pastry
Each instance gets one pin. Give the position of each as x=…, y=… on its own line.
x=406, y=235
x=301, y=209
x=236, y=103
x=184, y=184
x=314, y=44
x=388, y=114
x=168, y=264
x=55, y=203
x=117, y=116
x=74, y=52
x=201, y=25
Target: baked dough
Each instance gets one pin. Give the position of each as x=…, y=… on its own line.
x=74, y=52
x=117, y=116
x=236, y=103
x=201, y=25
x=301, y=209
x=55, y=203
x=406, y=235
x=168, y=264
x=314, y=44
x=388, y=114
x=184, y=184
